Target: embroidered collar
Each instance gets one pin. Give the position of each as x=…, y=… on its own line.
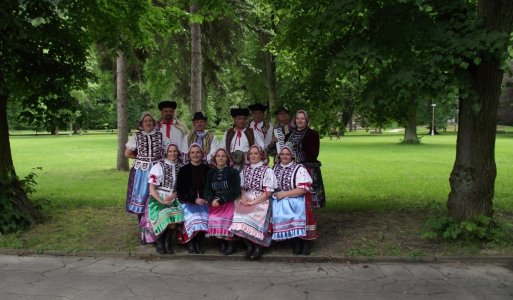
x=149, y=133
x=170, y=162
x=258, y=164
x=287, y=165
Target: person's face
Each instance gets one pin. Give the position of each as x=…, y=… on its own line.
x=285, y=156
x=221, y=158
x=195, y=155
x=172, y=153
x=254, y=155
x=301, y=121
x=167, y=113
x=258, y=116
x=240, y=121
x=283, y=118
x=199, y=125
x=147, y=123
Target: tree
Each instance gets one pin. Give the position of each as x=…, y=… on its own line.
x=133, y=26
x=473, y=175
x=43, y=57
x=196, y=61
x=409, y=50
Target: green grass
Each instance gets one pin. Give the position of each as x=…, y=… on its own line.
x=77, y=170
x=361, y=172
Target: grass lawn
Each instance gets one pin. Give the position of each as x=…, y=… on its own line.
x=362, y=172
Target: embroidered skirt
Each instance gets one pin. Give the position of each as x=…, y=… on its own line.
x=289, y=218
x=252, y=222
x=161, y=215
x=195, y=220
x=147, y=233
x=137, y=191
x=318, y=195
x=219, y=220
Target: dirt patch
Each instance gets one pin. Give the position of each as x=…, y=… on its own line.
x=346, y=234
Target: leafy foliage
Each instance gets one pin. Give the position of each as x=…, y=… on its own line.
x=481, y=228
x=12, y=217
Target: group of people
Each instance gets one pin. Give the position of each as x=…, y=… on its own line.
x=187, y=186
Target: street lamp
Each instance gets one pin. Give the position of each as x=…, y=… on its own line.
x=433, y=105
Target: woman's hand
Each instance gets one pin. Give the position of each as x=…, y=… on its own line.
x=243, y=200
x=169, y=199
x=215, y=203
x=200, y=201
x=279, y=195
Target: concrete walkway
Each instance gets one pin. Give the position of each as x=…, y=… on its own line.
x=69, y=277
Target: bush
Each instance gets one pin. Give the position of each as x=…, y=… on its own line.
x=482, y=228
x=16, y=210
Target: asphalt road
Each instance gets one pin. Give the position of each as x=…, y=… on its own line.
x=67, y=277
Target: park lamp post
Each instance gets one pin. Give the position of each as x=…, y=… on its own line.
x=433, y=105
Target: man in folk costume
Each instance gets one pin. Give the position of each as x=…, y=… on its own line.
x=240, y=138
x=207, y=140
x=282, y=128
x=172, y=129
x=260, y=126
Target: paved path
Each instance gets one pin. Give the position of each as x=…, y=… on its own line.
x=65, y=277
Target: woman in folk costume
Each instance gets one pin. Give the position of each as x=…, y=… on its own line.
x=289, y=218
x=305, y=142
x=190, y=186
x=221, y=191
x=145, y=146
x=252, y=211
x=164, y=210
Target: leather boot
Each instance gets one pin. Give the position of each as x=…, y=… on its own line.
x=305, y=249
x=230, y=248
x=159, y=244
x=168, y=241
x=199, y=242
x=256, y=253
x=249, y=248
x=191, y=246
x=296, y=246
x=222, y=246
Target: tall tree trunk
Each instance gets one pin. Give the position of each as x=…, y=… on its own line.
x=270, y=66
x=122, y=110
x=473, y=176
x=347, y=116
x=410, y=128
x=26, y=212
x=6, y=162
x=195, y=64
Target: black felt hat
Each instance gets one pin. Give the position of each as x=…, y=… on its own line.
x=257, y=106
x=239, y=112
x=281, y=109
x=164, y=104
x=199, y=116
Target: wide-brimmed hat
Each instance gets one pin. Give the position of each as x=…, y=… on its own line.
x=199, y=116
x=239, y=112
x=281, y=109
x=164, y=104
x=257, y=107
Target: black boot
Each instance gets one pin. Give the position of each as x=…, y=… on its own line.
x=230, y=248
x=168, y=241
x=159, y=244
x=200, y=236
x=296, y=246
x=256, y=253
x=249, y=248
x=222, y=246
x=191, y=246
x=305, y=249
